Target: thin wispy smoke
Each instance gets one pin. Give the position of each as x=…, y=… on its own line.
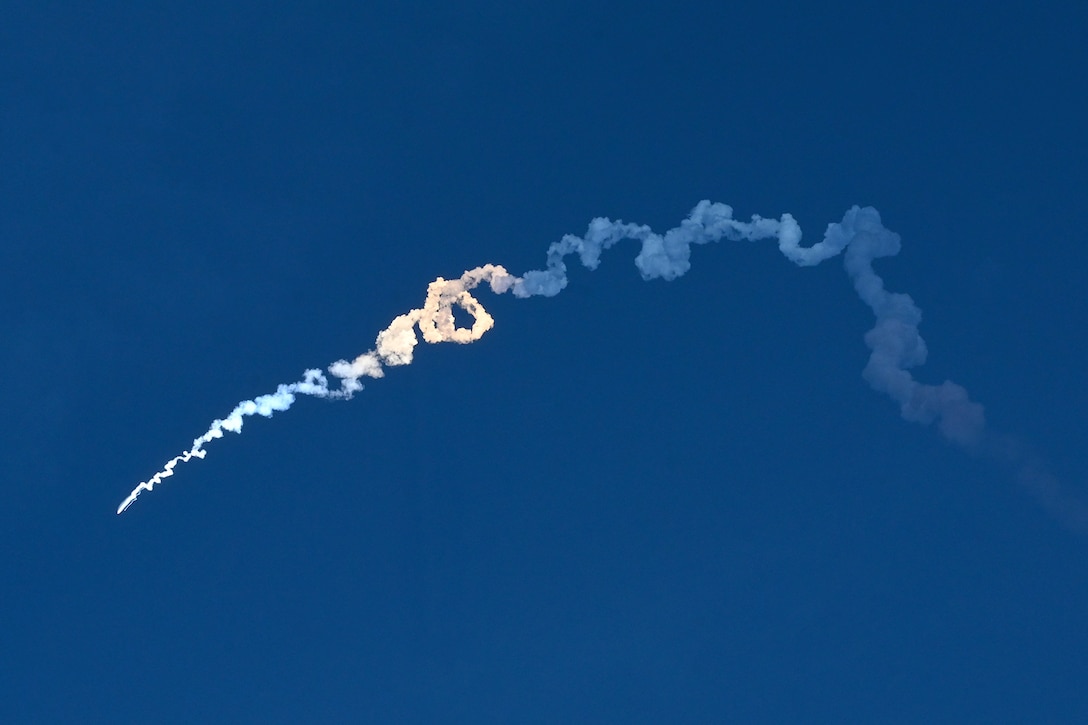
x=894, y=341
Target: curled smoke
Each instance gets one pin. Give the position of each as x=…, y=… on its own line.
x=894, y=340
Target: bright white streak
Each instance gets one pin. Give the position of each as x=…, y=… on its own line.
x=312, y=383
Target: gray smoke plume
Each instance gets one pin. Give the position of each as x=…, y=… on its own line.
x=895, y=343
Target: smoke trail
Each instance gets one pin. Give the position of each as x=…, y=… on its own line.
x=894, y=341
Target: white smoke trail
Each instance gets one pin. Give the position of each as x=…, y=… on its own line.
x=895, y=343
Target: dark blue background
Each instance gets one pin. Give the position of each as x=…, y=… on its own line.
x=634, y=502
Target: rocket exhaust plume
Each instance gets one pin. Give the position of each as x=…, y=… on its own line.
x=894, y=341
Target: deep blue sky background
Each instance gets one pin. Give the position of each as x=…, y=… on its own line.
x=633, y=502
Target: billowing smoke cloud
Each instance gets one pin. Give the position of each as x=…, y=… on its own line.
x=894, y=341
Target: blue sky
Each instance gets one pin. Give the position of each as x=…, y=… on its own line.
x=636, y=501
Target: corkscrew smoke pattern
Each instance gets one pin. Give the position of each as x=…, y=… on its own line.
x=895, y=343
